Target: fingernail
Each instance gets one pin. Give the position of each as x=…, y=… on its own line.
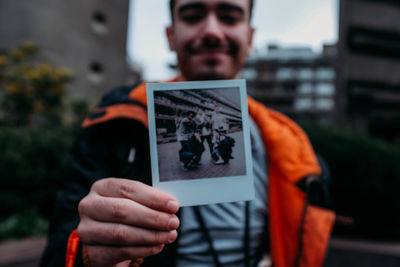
x=173, y=223
x=173, y=206
x=172, y=236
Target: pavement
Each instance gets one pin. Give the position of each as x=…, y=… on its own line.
x=344, y=252
x=171, y=168
x=341, y=253
x=22, y=253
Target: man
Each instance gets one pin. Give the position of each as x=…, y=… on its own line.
x=188, y=136
x=220, y=127
x=203, y=122
x=124, y=222
x=219, y=122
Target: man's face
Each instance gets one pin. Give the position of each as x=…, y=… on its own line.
x=212, y=38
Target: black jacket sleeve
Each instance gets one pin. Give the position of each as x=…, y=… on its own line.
x=100, y=151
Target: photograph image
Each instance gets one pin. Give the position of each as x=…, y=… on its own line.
x=199, y=133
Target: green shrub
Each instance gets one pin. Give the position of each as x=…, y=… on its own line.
x=365, y=181
x=31, y=167
x=26, y=223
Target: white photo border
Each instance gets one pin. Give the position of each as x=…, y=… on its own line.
x=204, y=190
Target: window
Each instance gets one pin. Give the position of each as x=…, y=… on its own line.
x=99, y=22
x=324, y=104
x=303, y=104
x=99, y=17
x=325, y=89
x=376, y=42
x=95, y=72
x=96, y=67
x=305, y=74
x=387, y=2
x=305, y=88
x=250, y=74
x=285, y=74
x=325, y=74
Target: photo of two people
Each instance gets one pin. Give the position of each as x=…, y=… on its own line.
x=199, y=133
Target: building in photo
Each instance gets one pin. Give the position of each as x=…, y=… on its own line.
x=170, y=106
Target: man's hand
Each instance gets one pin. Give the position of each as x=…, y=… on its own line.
x=125, y=220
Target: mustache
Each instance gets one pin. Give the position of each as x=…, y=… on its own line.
x=208, y=47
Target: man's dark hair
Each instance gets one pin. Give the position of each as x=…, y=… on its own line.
x=172, y=5
x=191, y=113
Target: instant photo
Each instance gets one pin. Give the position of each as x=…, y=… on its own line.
x=200, y=141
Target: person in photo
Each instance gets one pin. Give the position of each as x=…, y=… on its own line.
x=189, y=136
x=222, y=144
x=203, y=122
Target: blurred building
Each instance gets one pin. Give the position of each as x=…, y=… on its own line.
x=89, y=37
x=368, y=88
x=295, y=80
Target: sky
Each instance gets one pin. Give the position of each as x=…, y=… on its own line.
x=282, y=22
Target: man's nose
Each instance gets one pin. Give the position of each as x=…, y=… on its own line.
x=212, y=29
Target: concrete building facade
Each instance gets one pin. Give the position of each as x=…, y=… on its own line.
x=88, y=37
x=368, y=85
x=294, y=80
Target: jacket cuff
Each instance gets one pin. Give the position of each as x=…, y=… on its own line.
x=76, y=255
x=73, y=257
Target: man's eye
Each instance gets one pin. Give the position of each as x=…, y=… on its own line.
x=229, y=19
x=191, y=17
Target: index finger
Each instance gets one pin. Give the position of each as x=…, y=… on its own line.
x=146, y=195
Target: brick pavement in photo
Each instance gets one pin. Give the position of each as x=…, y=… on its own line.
x=171, y=168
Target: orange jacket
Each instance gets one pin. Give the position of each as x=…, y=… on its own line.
x=299, y=232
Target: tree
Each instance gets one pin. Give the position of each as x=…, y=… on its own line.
x=31, y=91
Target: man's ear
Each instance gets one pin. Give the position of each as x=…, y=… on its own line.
x=250, y=41
x=170, y=36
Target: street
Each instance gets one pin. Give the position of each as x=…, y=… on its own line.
x=171, y=168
